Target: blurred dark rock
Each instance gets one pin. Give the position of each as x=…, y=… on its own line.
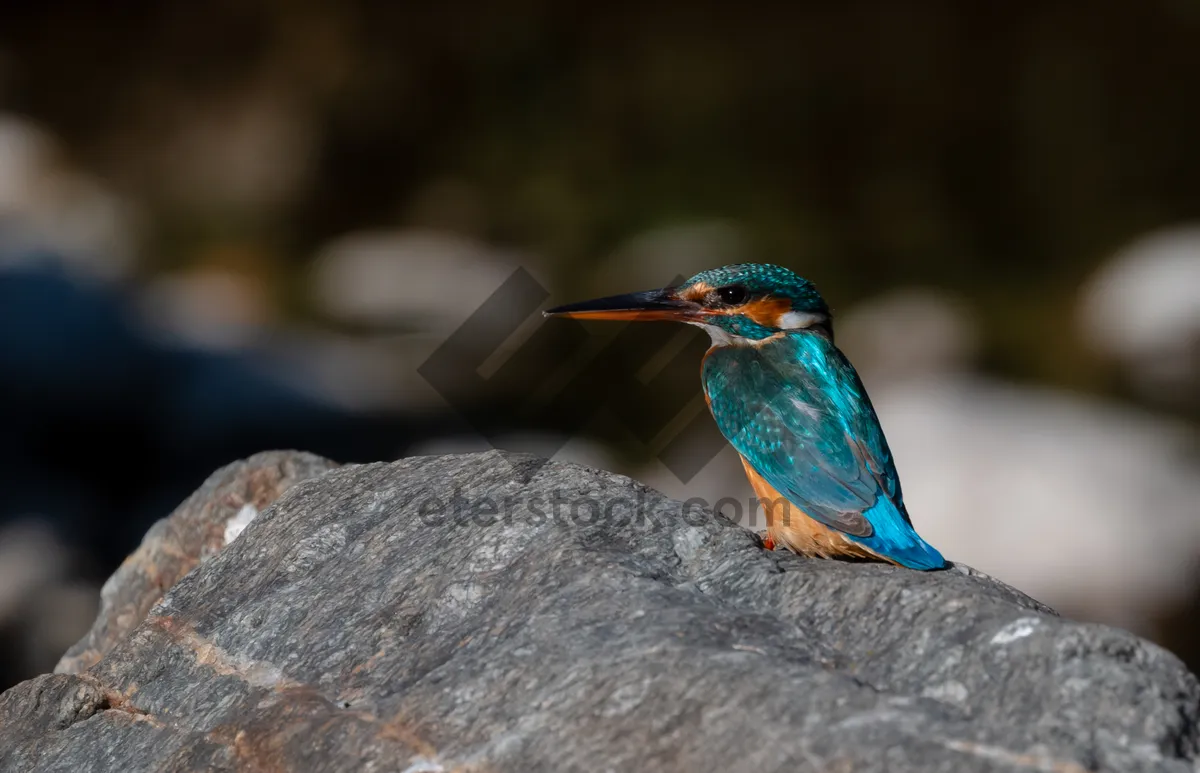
x=198, y=529
x=496, y=612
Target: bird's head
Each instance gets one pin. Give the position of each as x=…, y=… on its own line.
x=746, y=301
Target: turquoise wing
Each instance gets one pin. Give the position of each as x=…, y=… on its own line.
x=796, y=409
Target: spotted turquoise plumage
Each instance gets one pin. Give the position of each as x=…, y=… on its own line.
x=795, y=408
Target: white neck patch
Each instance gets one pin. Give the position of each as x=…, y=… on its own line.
x=720, y=336
x=798, y=320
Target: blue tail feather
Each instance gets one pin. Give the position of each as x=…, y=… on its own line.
x=895, y=538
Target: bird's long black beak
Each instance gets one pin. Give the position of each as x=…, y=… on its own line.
x=649, y=305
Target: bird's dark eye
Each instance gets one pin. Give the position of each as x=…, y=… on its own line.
x=732, y=294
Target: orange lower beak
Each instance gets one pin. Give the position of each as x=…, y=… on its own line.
x=646, y=306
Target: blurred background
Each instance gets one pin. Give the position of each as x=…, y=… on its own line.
x=233, y=226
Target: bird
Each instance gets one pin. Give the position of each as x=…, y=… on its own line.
x=792, y=406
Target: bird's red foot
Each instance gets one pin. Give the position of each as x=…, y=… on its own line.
x=768, y=543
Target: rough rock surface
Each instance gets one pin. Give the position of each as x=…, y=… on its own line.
x=561, y=618
x=198, y=529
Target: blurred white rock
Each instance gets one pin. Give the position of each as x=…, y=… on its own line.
x=207, y=308
x=44, y=608
x=910, y=332
x=357, y=372
x=1142, y=308
x=25, y=152
x=49, y=210
x=406, y=291
x=1088, y=506
x=249, y=149
x=431, y=281
x=31, y=555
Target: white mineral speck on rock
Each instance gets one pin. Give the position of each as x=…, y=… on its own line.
x=423, y=765
x=238, y=523
x=1017, y=629
x=950, y=692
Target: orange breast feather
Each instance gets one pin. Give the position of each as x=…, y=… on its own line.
x=789, y=525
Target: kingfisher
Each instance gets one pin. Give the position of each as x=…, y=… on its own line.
x=792, y=406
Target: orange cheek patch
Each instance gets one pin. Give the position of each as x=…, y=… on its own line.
x=765, y=311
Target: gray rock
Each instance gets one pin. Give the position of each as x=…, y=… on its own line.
x=198, y=529
x=562, y=618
